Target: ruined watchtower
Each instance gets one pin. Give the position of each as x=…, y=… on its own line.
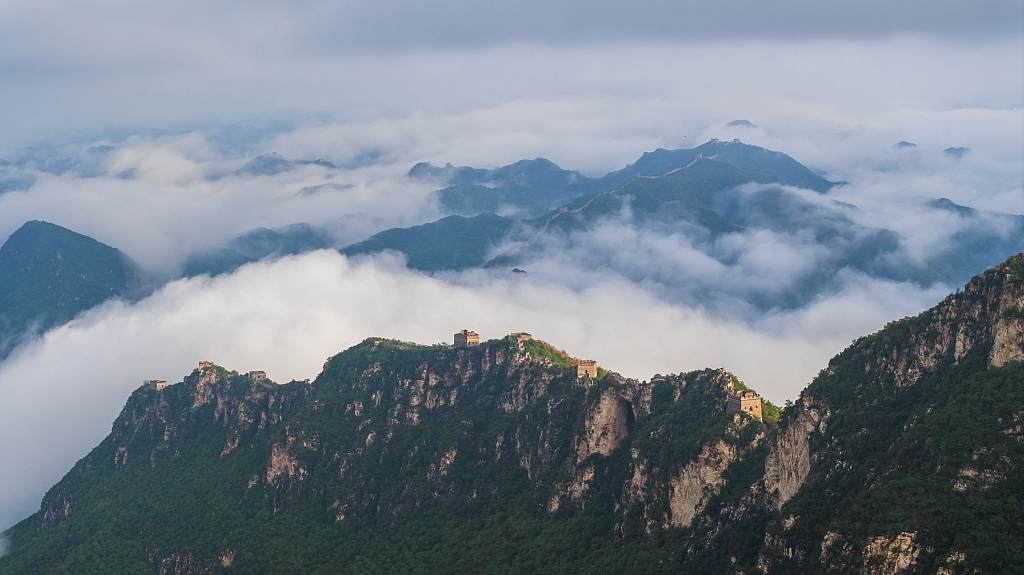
x=746, y=401
x=466, y=338
x=205, y=365
x=258, y=375
x=586, y=367
x=156, y=384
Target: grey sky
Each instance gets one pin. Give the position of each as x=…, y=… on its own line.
x=123, y=32
x=470, y=23
x=68, y=66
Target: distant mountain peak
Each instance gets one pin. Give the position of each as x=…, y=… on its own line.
x=48, y=274
x=950, y=206
x=266, y=165
x=273, y=163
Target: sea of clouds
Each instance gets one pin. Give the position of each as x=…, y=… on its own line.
x=126, y=133
x=638, y=300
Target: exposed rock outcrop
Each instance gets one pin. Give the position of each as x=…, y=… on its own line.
x=881, y=555
x=789, y=458
x=988, y=312
x=282, y=464
x=698, y=481
x=606, y=426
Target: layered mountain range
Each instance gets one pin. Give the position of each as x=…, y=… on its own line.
x=719, y=201
x=902, y=456
x=712, y=198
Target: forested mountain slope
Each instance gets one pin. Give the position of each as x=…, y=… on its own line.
x=48, y=274
x=915, y=458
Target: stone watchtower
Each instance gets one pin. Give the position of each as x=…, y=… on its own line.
x=156, y=384
x=746, y=401
x=466, y=338
x=520, y=337
x=258, y=375
x=586, y=367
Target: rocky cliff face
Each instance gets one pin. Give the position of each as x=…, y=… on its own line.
x=890, y=436
x=515, y=413
x=986, y=314
x=155, y=426
x=789, y=459
x=391, y=431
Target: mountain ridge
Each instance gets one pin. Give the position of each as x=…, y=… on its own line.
x=532, y=186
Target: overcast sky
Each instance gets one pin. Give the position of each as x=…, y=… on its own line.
x=150, y=64
x=187, y=92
